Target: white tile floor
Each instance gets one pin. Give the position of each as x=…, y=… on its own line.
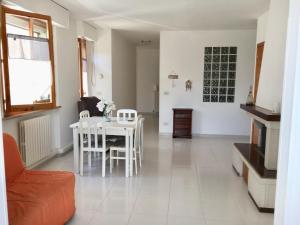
x=182, y=182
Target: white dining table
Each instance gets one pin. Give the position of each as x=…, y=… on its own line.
x=112, y=128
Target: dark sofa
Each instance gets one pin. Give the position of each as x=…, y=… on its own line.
x=89, y=103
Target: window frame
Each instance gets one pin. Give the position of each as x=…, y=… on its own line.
x=81, y=47
x=5, y=81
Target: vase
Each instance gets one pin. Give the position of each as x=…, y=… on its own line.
x=107, y=116
x=250, y=99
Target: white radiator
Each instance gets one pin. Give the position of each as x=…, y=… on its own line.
x=35, y=137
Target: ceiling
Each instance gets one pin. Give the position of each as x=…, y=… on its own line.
x=144, y=19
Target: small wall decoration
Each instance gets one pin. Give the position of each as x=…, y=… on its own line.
x=188, y=85
x=173, y=76
x=220, y=65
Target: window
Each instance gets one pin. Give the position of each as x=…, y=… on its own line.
x=83, y=64
x=28, y=63
x=219, y=74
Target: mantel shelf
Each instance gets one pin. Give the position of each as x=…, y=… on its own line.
x=262, y=113
x=255, y=157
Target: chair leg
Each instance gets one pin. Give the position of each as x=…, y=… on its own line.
x=90, y=159
x=103, y=163
x=113, y=162
x=135, y=161
x=140, y=157
x=81, y=162
x=110, y=160
x=117, y=158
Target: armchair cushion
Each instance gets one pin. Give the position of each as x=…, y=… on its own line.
x=13, y=164
x=41, y=197
x=36, y=197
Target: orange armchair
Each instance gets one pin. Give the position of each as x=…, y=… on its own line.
x=36, y=197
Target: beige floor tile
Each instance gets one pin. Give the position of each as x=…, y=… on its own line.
x=145, y=219
x=109, y=219
x=182, y=181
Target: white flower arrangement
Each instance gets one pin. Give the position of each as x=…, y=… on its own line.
x=106, y=106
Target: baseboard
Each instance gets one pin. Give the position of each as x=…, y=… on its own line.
x=52, y=155
x=149, y=113
x=261, y=209
x=221, y=136
x=165, y=134
x=56, y=153
x=65, y=149
x=209, y=135
x=236, y=172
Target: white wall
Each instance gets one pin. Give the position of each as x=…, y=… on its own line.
x=147, y=75
x=288, y=184
x=262, y=23
x=67, y=89
x=183, y=52
x=86, y=31
x=66, y=53
x=272, y=69
x=113, y=75
x=102, y=77
x=123, y=72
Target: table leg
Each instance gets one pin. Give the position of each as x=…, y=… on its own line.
x=76, y=150
x=127, y=154
x=142, y=142
x=131, y=153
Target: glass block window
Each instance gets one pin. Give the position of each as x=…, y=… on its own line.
x=219, y=74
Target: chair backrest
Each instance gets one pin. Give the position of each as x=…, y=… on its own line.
x=13, y=162
x=128, y=116
x=84, y=114
x=92, y=138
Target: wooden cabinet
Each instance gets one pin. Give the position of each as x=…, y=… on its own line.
x=182, y=123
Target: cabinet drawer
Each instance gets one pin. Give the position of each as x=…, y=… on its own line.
x=182, y=116
x=181, y=120
x=182, y=125
x=181, y=132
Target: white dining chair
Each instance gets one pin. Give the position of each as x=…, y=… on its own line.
x=126, y=116
x=84, y=114
x=92, y=139
x=119, y=147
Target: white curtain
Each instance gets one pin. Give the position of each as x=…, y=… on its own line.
x=30, y=48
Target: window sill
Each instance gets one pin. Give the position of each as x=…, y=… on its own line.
x=14, y=115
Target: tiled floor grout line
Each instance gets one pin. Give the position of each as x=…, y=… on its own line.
x=134, y=204
x=201, y=192
x=102, y=202
x=170, y=187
